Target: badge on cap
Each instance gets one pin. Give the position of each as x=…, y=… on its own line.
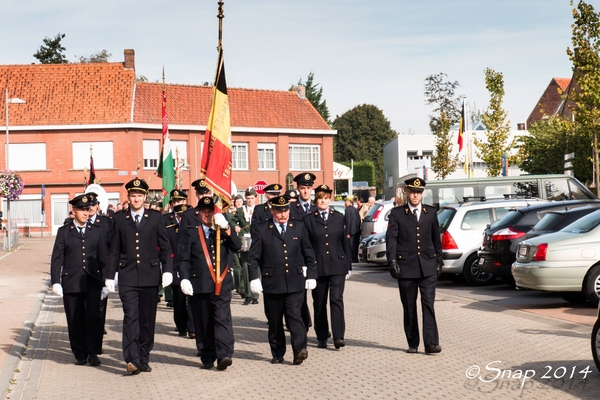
x=277, y=187
x=282, y=200
x=183, y=207
x=307, y=177
x=84, y=199
x=137, y=182
x=207, y=200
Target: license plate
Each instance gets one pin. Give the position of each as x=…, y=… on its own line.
x=522, y=251
x=481, y=261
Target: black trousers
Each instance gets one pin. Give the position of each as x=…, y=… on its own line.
x=139, y=321
x=180, y=312
x=83, y=320
x=214, y=329
x=408, y=295
x=354, y=243
x=290, y=304
x=333, y=286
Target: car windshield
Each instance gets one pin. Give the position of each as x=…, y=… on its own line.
x=445, y=216
x=548, y=221
x=584, y=224
x=509, y=219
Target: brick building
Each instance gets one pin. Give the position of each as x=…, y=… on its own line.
x=551, y=102
x=71, y=108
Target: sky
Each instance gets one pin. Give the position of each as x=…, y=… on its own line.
x=360, y=51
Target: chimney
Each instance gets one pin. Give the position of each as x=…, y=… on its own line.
x=129, y=62
x=521, y=126
x=300, y=91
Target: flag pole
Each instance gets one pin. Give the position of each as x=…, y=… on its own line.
x=218, y=282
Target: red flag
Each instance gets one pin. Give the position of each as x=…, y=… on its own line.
x=461, y=128
x=92, y=172
x=216, y=156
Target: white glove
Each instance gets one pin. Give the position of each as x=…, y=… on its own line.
x=57, y=289
x=116, y=279
x=348, y=274
x=110, y=285
x=256, y=286
x=221, y=221
x=167, y=279
x=186, y=287
x=310, y=284
x=304, y=269
x=104, y=293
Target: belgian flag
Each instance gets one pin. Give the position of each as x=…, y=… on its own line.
x=461, y=127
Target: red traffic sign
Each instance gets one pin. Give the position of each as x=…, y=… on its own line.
x=260, y=186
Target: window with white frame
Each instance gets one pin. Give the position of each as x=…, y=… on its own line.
x=266, y=156
x=27, y=211
x=239, y=156
x=179, y=150
x=151, y=149
x=101, y=151
x=305, y=157
x=27, y=156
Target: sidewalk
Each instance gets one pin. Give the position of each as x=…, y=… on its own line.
x=374, y=363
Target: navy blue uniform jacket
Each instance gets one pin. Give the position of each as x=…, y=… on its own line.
x=328, y=240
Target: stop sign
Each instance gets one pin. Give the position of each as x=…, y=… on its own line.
x=259, y=186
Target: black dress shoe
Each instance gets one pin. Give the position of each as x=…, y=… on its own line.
x=146, y=368
x=81, y=361
x=132, y=368
x=192, y=335
x=94, y=361
x=254, y=301
x=182, y=333
x=412, y=350
x=223, y=363
x=247, y=301
x=322, y=344
x=300, y=356
x=207, y=366
x=338, y=343
x=277, y=360
x=170, y=304
x=328, y=335
x=433, y=349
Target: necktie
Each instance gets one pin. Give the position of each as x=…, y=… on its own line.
x=324, y=215
x=282, y=226
x=137, y=220
x=80, y=230
x=416, y=213
x=306, y=206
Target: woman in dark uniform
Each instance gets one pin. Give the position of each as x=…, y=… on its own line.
x=326, y=230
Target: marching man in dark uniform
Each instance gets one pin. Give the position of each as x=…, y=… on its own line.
x=327, y=233
x=77, y=268
x=281, y=248
x=304, y=185
x=210, y=301
x=414, y=252
x=171, y=220
x=140, y=245
x=106, y=226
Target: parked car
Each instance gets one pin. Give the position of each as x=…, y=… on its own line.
x=461, y=227
x=376, y=219
x=554, y=221
x=501, y=239
x=596, y=341
x=566, y=261
x=375, y=249
x=362, y=248
x=338, y=205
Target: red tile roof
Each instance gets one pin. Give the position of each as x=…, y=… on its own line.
x=563, y=83
x=251, y=108
x=68, y=94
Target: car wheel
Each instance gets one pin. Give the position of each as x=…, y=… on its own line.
x=591, y=285
x=474, y=275
x=596, y=343
x=573, y=297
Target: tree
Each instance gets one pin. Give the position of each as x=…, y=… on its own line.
x=362, y=132
x=97, y=57
x=498, y=128
x=543, y=150
x=585, y=56
x=440, y=93
x=314, y=94
x=51, y=52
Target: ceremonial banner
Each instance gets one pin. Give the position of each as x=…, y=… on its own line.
x=166, y=167
x=216, y=156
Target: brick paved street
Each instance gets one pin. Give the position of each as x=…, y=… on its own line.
x=373, y=365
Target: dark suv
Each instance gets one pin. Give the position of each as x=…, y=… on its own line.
x=502, y=237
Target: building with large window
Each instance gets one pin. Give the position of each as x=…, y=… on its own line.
x=74, y=110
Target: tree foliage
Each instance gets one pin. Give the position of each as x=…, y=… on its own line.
x=495, y=144
x=314, y=94
x=543, y=150
x=362, y=132
x=51, y=52
x=97, y=57
x=364, y=171
x=440, y=93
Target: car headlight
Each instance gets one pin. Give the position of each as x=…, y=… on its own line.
x=380, y=241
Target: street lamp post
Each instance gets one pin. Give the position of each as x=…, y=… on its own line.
x=14, y=100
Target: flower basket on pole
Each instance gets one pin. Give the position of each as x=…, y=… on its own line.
x=11, y=185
